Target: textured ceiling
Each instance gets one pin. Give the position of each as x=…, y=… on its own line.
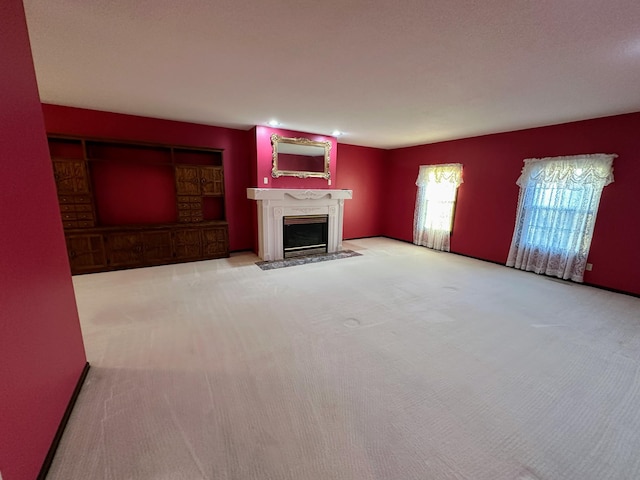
x=388, y=73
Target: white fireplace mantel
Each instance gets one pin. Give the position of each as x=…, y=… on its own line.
x=276, y=203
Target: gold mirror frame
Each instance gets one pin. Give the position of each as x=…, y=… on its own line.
x=275, y=172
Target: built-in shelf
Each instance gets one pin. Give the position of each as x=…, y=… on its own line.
x=129, y=204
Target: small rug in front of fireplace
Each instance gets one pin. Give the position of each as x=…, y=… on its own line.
x=319, y=257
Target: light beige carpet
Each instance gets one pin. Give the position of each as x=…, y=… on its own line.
x=400, y=364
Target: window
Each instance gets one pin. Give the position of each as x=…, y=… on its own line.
x=557, y=209
x=435, y=204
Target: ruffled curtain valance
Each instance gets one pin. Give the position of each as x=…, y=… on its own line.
x=595, y=169
x=445, y=173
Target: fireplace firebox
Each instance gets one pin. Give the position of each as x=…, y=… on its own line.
x=305, y=235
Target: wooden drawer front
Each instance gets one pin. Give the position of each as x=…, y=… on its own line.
x=74, y=199
x=86, y=252
x=67, y=208
x=187, y=243
x=76, y=211
x=157, y=246
x=190, y=206
x=72, y=218
x=125, y=249
x=85, y=216
x=77, y=216
x=215, y=242
x=189, y=216
x=189, y=203
x=189, y=209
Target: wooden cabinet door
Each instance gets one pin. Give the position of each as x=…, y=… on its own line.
x=215, y=242
x=157, y=247
x=125, y=249
x=212, y=180
x=187, y=243
x=86, y=253
x=188, y=180
x=71, y=176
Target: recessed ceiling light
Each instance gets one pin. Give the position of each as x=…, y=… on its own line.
x=274, y=123
x=336, y=133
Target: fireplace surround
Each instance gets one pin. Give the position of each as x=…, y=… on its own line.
x=274, y=204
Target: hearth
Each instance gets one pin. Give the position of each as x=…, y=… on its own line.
x=304, y=234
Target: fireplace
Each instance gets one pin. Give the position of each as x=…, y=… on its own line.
x=304, y=234
x=275, y=204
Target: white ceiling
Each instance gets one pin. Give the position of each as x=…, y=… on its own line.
x=388, y=73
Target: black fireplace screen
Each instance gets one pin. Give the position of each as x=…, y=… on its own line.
x=305, y=234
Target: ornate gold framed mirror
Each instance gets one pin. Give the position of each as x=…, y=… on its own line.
x=300, y=157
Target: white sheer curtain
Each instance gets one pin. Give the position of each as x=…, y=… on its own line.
x=557, y=207
x=435, y=203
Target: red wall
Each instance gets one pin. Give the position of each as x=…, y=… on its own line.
x=41, y=350
x=235, y=143
x=363, y=170
x=487, y=201
x=264, y=161
x=117, y=188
